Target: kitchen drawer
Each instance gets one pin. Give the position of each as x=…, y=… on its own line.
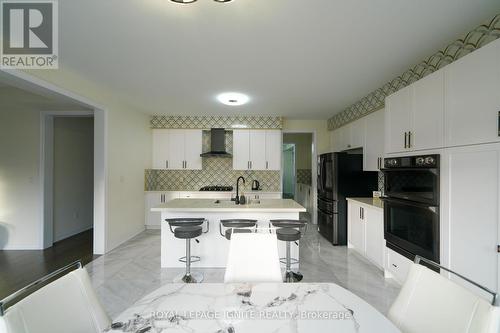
x=398, y=265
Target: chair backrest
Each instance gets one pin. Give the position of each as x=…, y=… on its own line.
x=250, y=263
x=431, y=303
x=68, y=304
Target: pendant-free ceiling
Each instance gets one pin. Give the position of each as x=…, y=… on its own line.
x=191, y=1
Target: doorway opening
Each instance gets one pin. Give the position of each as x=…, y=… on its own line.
x=299, y=168
x=68, y=163
x=73, y=174
x=289, y=176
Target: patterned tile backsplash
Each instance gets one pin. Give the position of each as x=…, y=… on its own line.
x=374, y=101
x=215, y=171
x=304, y=176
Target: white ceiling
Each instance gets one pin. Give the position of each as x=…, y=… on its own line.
x=295, y=58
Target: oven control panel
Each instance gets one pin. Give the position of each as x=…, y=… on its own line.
x=423, y=161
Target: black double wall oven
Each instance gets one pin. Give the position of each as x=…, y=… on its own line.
x=411, y=205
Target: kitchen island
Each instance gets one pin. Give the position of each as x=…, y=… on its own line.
x=212, y=247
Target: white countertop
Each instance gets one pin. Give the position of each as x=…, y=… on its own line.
x=209, y=205
x=373, y=202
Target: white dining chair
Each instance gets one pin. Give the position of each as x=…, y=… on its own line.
x=253, y=257
x=431, y=303
x=68, y=304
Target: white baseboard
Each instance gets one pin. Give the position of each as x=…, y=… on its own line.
x=153, y=227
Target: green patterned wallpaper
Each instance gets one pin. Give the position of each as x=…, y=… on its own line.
x=473, y=40
x=206, y=122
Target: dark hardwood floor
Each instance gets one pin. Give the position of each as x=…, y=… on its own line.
x=20, y=268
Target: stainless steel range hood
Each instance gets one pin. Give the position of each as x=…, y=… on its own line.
x=217, y=144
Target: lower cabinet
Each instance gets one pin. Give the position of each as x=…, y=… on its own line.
x=366, y=231
x=470, y=197
x=397, y=266
x=153, y=199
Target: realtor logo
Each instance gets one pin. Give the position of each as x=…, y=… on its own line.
x=29, y=34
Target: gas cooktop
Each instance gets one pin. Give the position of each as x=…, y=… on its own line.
x=217, y=188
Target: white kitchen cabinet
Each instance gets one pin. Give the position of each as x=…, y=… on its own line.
x=356, y=227
x=241, y=149
x=177, y=149
x=472, y=98
x=160, y=149
x=397, y=266
x=153, y=199
x=273, y=149
x=356, y=133
x=374, y=229
x=193, y=148
x=470, y=214
x=415, y=116
x=373, y=147
x=365, y=231
x=256, y=150
x=397, y=120
x=427, y=114
x=341, y=138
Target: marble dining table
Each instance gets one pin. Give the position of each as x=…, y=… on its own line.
x=261, y=308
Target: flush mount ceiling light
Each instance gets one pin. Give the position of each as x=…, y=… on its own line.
x=233, y=98
x=184, y=1
x=191, y=1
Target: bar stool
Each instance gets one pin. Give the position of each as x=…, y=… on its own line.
x=236, y=226
x=188, y=228
x=290, y=231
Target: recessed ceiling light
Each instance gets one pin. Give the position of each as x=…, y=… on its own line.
x=233, y=98
x=183, y=1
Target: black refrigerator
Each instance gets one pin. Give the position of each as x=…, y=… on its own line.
x=340, y=175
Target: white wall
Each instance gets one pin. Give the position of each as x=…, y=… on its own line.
x=128, y=154
x=20, y=200
x=73, y=175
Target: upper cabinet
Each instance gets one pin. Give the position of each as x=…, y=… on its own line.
x=415, y=116
x=175, y=149
x=427, y=115
x=273, y=149
x=366, y=133
x=458, y=105
x=373, y=147
x=256, y=149
x=397, y=120
x=472, y=103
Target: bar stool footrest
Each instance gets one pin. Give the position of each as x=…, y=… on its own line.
x=193, y=259
x=293, y=261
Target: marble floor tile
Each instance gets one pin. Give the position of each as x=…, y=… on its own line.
x=132, y=270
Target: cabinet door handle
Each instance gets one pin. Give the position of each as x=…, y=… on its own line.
x=186, y=164
x=166, y=164
x=409, y=139
x=406, y=138
x=267, y=165
x=498, y=123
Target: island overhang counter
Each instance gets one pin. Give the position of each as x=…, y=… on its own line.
x=212, y=247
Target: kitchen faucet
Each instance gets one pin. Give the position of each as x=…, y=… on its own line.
x=238, y=188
